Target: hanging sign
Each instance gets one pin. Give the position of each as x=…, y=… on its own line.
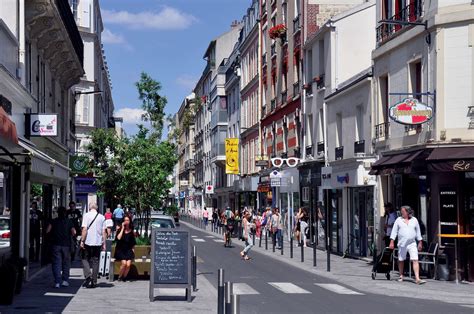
x=232, y=156
x=209, y=189
x=411, y=112
x=42, y=125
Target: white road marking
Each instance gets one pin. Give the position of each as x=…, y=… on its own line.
x=194, y=236
x=243, y=288
x=468, y=306
x=288, y=287
x=209, y=236
x=59, y=294
x=199, y=240
x=337, y=288
x=219, y=240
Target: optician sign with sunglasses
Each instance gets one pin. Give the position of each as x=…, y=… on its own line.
x=290, y=162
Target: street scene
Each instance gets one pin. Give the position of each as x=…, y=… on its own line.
x=236, y=156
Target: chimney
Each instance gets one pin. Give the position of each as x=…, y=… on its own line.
x=234, y=24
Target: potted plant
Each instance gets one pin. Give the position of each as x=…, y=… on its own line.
x=277, y=31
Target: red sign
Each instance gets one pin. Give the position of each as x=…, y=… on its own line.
x=411, y=112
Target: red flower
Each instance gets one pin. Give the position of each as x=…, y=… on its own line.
x=277, y=31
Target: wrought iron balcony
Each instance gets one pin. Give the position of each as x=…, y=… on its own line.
x=264, y=59
x=320, y=148
x=297, y=153
x=339, y=151
x=410, y=13
x=319, y=80
x=273, y=50
x=296, y=24
x=382, y=131
x=273, y=104
x=284, y=96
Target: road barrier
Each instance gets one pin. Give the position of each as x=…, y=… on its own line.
x=228, y=297
x=194, y=269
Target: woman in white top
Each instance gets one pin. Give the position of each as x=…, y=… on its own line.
x=247, y=235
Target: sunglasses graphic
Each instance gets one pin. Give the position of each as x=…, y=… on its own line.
x=291, y=162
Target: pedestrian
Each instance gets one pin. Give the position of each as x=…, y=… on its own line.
x=75, y=215
x=125, y=248
x=247, y=234
x=298, y=226
x=93, y=238
x=205, y=217
x=61, y=231
x=108, y=222
x=303, y=219
x=390, y=217
x=118, y=215
x=276, y=228
x=36, y=220
x=407, y=229
x=215, y=218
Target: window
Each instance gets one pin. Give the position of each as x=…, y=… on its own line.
x=297, y=8
x=321, y=65
x=384, y=98
x=339, y=130
x=309, y=135
x=415, y=79
x=73, y=4
x=284, y=12
x=359, y=126
x=85, y=108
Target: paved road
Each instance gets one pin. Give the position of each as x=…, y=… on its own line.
x=269, y=286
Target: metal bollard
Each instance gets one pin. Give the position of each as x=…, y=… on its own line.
x=194, y=269
x=220, y=291
x=314, y=253
x=302, y=250
x=253, y=236
x=260, y=239
x=235, y=304
x=228, y=297
x=274, y=241
x=282, y=243
x=291, y=247
x=266, y=239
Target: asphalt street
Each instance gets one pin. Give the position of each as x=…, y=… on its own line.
x=266, y=285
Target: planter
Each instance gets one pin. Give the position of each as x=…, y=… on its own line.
x=140, y=265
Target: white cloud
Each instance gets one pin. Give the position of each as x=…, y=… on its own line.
x=130, y=115
x=166, y=19
x=110, y=38
x=187, y=81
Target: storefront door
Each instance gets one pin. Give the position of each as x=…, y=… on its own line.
x=336, y=220
x=361, y=221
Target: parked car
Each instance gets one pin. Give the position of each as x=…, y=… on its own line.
x=4, y=231
x=162, y=221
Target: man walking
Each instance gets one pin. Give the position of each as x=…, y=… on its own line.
x=407, y=229
x=62, y=230
x=92, y=241
x=118, y=215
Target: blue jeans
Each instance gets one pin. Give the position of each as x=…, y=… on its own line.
x=248, y=244
x=61, y=263
x=279, y=236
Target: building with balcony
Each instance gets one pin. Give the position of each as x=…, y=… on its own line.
x=41, y=58
x=94, y=104
x=423, y=78
x=337, y=107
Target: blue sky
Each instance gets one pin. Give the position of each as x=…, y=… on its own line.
x=165, y=38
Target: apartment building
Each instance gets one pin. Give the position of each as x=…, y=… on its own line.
x=94, y=104
x=423, y=62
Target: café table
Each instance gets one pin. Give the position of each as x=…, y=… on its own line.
x=456, y=236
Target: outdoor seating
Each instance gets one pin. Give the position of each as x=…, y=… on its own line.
x=430, y=257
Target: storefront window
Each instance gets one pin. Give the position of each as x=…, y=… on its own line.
x=361, y=221
x=4, y=211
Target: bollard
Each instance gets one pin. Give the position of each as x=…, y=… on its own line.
x=274, y=241
x=266, y=239
x=302, y=250
x=260, y=239
x=314, y=254
x=194, y=269
x=220, y=291
x=253, y=236
x=235, y=304
x=291, y=247
x=228, y=297
x=282, y=243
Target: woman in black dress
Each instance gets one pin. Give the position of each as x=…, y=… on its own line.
x=125, y=247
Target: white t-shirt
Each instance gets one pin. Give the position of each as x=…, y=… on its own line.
x=95, y=232
x=406, y=233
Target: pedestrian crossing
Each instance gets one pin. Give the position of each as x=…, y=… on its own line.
x=241, y=288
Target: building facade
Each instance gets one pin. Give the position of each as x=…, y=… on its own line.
x=426, y=157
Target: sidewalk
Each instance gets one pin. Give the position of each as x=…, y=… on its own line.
x=357, y=274
x=117, y=297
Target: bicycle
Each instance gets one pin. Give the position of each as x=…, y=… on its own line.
x=228, y=235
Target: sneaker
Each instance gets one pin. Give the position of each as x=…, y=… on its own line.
x=87, y=282
x=65, y=283
x=57, y=285
x=92, y=285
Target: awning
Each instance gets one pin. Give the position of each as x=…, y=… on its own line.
x=446, y=159
x=7, y=127
x=394, y=163
x=43, y=167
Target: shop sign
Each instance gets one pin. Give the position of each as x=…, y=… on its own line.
x=343, y=179
x=461, y=165
x=232, y=156
x=209, y=189
x=182, y=194
x=78, y=164
x=411, y=112
x=261, y=163
x=42, y=125
x=263, y=188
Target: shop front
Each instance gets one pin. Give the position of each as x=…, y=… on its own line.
x=247, y=193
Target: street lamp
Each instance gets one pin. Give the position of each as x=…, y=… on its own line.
x=76, y=94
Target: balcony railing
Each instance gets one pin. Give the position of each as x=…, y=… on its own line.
x=319, y=80
x=339, y=151
x=296, y=89
x=309, y=150
x=308, y=89
x=70, y=23
x=296, y=24
x=320, y=148
x=417, y=128
x=264, y=111
x=359, y=147
x=382, y=130
x=273, y=104
x=410, y=13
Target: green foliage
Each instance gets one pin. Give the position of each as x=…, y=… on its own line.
x=171, y=210
x=143, y=241
x=36, y=190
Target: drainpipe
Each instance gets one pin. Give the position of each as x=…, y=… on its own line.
x=21, y=42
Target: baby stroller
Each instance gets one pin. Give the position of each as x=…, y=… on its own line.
x=383, y=264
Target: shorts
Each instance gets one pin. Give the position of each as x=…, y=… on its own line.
x=411, y=249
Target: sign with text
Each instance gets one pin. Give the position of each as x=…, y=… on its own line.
x=42, y=125
x=171, y=260
x=411, y=112
x=232, y=156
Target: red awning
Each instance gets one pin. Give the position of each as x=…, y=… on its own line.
x=7, y=127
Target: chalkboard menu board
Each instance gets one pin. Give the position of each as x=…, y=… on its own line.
x=448, y=202
x=171, y=257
